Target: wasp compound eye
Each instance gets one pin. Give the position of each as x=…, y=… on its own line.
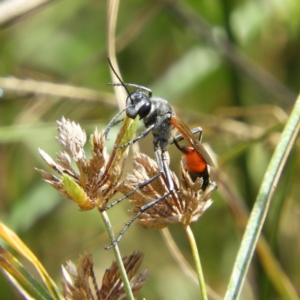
x=138, y=104
x=144, y=110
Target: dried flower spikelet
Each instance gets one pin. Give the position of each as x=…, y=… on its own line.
x=81, y=283
x=91, y=185
x=77, y=284
x=72, y=138
x=185, y=205
x=195, y=200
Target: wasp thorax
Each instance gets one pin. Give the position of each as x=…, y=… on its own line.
x=138, y=104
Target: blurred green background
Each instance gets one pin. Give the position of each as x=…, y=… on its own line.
x=232, y=67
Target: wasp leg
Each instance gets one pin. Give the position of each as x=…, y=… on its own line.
x=195, y=130
x=163, y=166
x=140, y=186
x=112, y=123
x=142, y=135
x=213, y=185
x=127, y=225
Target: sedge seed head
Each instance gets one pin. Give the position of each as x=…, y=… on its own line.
x=185, y=205
x=92, y=182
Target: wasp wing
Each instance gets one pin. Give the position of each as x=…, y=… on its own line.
x=188, y=135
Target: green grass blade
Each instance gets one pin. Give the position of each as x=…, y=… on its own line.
x=262, y=203
x=26, y=282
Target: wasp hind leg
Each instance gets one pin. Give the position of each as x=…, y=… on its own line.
x=127, y=225
x=195, y=130
x=140, y=186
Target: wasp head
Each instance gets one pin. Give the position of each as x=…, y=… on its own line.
x=138, y=104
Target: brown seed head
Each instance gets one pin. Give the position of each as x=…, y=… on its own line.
x=81, y=283
x=95, y=180
x=185, y=205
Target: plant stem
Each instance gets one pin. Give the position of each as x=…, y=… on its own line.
x=197, y=262
x=118, y=257
x=262, y=204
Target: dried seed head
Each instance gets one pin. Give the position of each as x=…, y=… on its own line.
x=185, y=205
x=77, y=284
x=72, y=138
x=81, y=283
x=96, y=179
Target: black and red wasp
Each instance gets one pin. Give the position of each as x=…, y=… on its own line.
x=160, y=119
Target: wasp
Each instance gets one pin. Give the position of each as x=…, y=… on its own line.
x=160, y=119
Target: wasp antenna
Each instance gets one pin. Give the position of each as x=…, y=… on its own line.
x=121, y=81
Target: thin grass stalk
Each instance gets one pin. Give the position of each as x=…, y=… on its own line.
x=112, y=15
x=262, y=204
x=178, y=256
x=118, y=257
x=184, y=264
x=197, y=262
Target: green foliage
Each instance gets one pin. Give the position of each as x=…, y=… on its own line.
x=240, y=95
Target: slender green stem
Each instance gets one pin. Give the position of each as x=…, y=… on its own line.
x=262, y=204
x=118, y=257
x=197, y=262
